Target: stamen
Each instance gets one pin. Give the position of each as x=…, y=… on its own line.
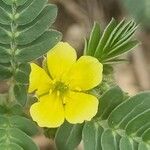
x=59, y=88
x=58, y=93
x=64, y=101
x=78, y=88
x=50, y=91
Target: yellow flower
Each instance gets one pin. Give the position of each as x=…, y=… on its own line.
x=61, y=85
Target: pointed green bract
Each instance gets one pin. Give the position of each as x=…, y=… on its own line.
x=99, y=50
x=115, y=41
x=94, y=39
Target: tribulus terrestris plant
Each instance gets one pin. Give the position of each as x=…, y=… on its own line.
x=68, y=99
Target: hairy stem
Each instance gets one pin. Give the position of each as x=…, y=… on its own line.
x=13, y=46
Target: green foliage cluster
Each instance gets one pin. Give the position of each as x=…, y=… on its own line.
x=25, y=35
x=113, y=42
x=16, y=129
x=122, y=122
x=24, y=28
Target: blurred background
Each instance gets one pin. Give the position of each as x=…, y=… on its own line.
x=75, y=20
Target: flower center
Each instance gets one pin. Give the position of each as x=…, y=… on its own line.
x=60, y=88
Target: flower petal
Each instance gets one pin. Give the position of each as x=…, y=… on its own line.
x=80, y=107
x=39, y=80
x=85, y=74
x=60, y=59
x=48, y=112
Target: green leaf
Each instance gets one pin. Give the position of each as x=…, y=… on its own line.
x=108, y=101
x=38, y=26
x=111, y=26
x=22, y=73
x=20, y=2
x=6, y=8
x=115, y=60
x=94, y=39
x=68, y=136
x=14, y=135
x=14, y=132
x=115, y=41
x=120, y=124
x=121, y=49
x=20, y=92
x=8, y=2
x=5, y=55
x=85, y=46
x=5, y=71
x=4, y=16
x=110, y=140
x=113, y=35
x=10, y=146
x=16, y=109
x=91, y=136
x=2, y=108
x=124, y=33
x=144, y=146
x=24, y=124
x=125, y=143
x=5, y=37
x=48, y=39
x=137, y=103
x=34, y=8
x=17, y=2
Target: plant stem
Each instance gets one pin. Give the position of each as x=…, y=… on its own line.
x=13, y=46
